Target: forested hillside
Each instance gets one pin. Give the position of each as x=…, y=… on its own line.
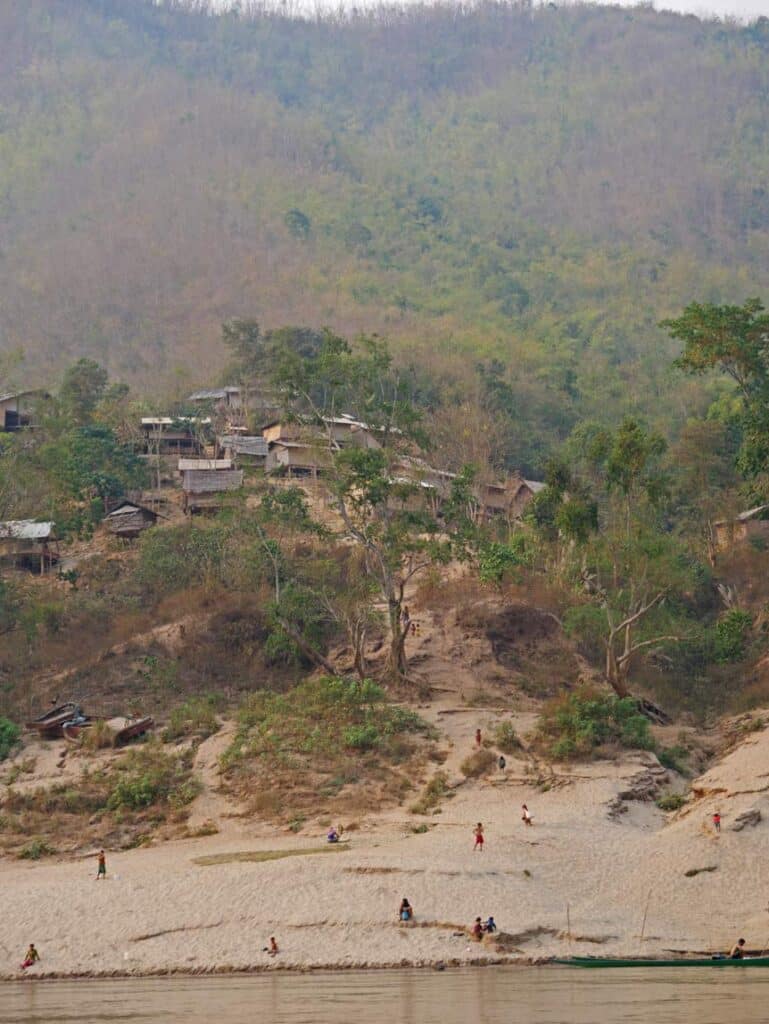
x=538, y=186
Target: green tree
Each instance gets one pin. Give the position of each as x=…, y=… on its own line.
x=82, y=389
x=734, y=339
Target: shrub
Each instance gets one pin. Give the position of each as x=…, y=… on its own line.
x=506, y=738
x=98, y=736
x=497, y=560
x=731, y=635
x=478, y=763
x=436, y=788
x=303, y=746
x=9, y=737
x=674, y=758
x=196, y=717
x=149, y=776
x=575, y=724
x=671, y=801
x=35, y=849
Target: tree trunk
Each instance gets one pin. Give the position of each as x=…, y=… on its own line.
x=307, y=650
x=397, y=665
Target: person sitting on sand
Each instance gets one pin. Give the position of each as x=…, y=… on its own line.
x=738, y=950
x=526, y=816
x=272, y=949
x=478, y=833
x=477, y=930
x=491, y=925
x=30, y=957
x=406, y=911
x=332, y=835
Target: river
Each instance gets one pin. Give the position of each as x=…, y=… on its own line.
x=492, y=995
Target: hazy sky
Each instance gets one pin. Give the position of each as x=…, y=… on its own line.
x=743, y=9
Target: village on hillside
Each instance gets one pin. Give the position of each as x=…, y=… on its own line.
x=203, y=462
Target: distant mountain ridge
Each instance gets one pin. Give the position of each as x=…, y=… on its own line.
x=535, y=186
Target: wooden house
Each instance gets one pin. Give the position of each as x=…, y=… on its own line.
x=203, y=488
x=187, y=465
x=17, y=409
x=226, y=399
x=167, y=435
x=746, y=526
x=248, y=449
x=297, y=459
x=128, y=519
x=24, y=542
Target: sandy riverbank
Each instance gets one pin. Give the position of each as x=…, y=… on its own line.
x=161, y=910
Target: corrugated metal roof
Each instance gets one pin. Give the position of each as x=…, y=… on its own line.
x=535, y=485
x=244, y=445
x=209, y=481
x=25, y=529
x=23, y=394
x=215, y=464
x=213, y=394
x=167, y=421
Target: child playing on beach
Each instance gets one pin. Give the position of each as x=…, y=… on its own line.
x=477, y=737
x=406, y=912
x=30, y=957
x=332, y=836
x=272, y=949
x=477, y=930
x=101, y=871
x=478, y=833
x=525, y=816
x=491, y=925
x=717, y=822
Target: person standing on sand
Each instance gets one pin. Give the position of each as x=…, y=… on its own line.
x=502, y=762
x=717, y=822
x=478, y=833
x=30, y=957
x=477, y=930
x=272, y=949
x=101, y=871
x=477, y=737
x=525, y=815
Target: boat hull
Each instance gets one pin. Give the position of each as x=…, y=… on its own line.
x=594, y=961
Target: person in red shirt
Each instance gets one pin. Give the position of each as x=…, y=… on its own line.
x=478, y=833
x=717, y=822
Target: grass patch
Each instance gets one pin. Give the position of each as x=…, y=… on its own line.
x=479, y=763
x=506, y=738
x=259, y=856
x=144, y=789
x=671, y=802
x=196, y=717
x=35, y=849
x=434, y=791
x=294, y=753
x=577, y=724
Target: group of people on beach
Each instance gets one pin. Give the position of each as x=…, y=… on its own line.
x=478, y=930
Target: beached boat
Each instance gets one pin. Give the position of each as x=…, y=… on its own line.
x=50, y=725
x=712, y=961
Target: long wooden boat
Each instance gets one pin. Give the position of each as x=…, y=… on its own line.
x=50, y=724
x=714, y=961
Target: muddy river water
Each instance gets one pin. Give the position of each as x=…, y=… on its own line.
x=493, y=995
